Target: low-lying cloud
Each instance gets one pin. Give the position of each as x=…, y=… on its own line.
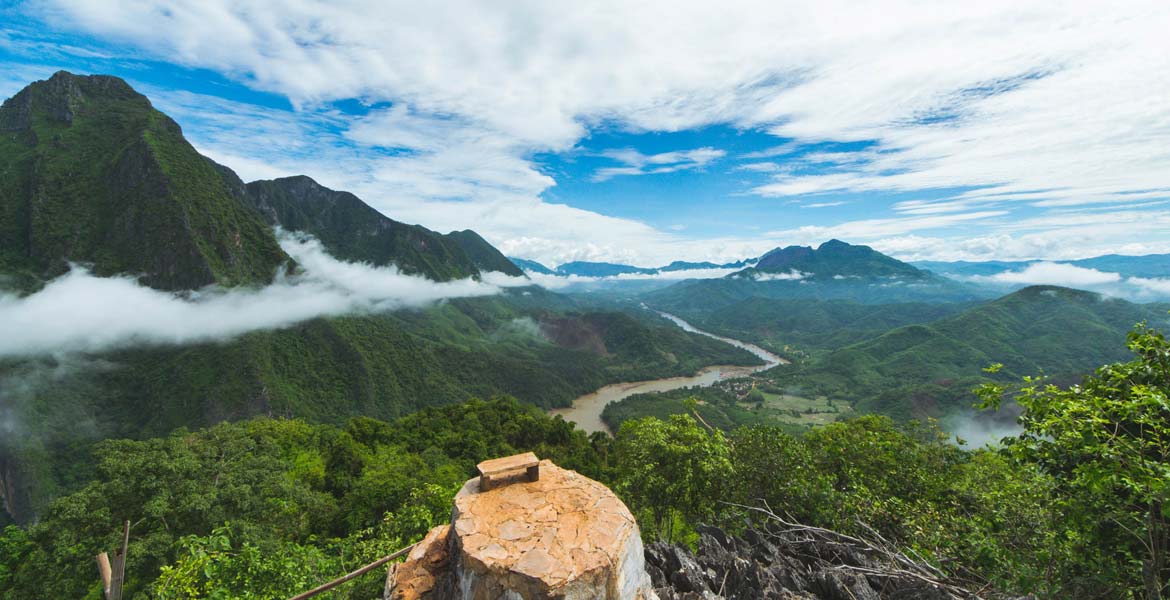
x=791, y=275
x=1063, y=274
x=1048, y=273
x=81, y=312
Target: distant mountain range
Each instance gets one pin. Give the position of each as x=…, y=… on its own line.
x=1150, y=265
x=605, y=269
x=833, y=271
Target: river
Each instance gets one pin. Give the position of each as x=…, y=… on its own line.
x=586, y=410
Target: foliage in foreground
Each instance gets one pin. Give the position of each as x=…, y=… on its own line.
x=268, y=508
x=1073, y=508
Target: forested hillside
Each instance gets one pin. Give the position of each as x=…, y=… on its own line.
x=929, y=369
x=267, y=508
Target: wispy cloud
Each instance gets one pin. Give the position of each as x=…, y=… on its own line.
x=636, y=163
x=872, y=228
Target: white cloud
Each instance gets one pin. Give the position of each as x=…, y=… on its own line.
x=1039, y=104
x=1137, y=289
x=792, y=275
x=84, y=313
x=1048, y=273
x=1154, y=286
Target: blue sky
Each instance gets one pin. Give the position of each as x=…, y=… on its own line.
x=666, y=131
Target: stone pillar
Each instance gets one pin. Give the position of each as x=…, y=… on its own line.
x=563, y=536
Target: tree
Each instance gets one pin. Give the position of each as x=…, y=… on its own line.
x=672, y=469
x=778, y=469
x=1107, y=441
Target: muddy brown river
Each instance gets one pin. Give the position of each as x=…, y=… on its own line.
x=586, y=410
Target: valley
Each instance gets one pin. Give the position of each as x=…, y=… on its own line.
x=586, y=411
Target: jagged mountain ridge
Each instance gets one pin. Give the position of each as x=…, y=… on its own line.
x=94, y=174
x=353, y=230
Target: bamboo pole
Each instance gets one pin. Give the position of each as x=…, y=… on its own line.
x=358, y=573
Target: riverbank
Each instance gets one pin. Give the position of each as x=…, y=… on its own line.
x=586, y=410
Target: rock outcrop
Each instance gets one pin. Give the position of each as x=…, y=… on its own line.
x=561, y=536
x=783, y=566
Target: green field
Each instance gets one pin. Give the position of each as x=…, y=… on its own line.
x=798, y=410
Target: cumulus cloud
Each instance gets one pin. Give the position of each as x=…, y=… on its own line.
x=81, y=312
x=1017, y=105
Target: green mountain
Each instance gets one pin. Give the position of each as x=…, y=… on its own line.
x=835, y=259
x=834, y=271
x=92, y=173
x=929, y=369
x=353, y=230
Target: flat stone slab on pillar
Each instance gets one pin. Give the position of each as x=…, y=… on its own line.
x=492, y=473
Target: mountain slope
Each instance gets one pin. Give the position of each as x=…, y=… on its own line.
x=482, y=254
x=824, y=325
x=353, y=230
x=929, y=369
x=92, y=173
